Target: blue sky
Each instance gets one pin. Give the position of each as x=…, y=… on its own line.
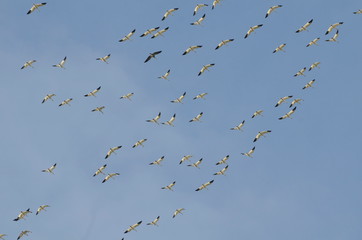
x=303, y=181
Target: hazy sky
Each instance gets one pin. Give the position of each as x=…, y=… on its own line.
x=303, y=182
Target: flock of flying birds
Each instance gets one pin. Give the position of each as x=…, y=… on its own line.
x=155, y=32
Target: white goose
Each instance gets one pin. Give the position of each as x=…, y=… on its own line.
x=168, y=12
x=224, y=42
x=288, y=115
x=196, y=164
x=198, y=6
x=100, y=170
x=128, y=36
x=222, y=171
x=297, y=100
x=304, y=27
x=160, y=32
x=22, y=214
x=223, y=161
x=155, y=119
x=99, y=109
x=2, y=236
x=41, y=208
x=133, y=227
x=104, y=59
x=314, y=65
x=206, y=68
x=177, y=212
x=300, y=72
x=154, y=222
x=36, y=7
x=333, y=26
x=28, y=64
x=170, y=186
x=25, y=232
x=158, y=161
x=66, y=101
x=192, y=48
x=309, y=84
x=283, y=99
x=250, y=153
x=280, y=48
x=203, y=186
x=128, y=96
x=261, y=134
x=273, y=8
x=334, y=38
x=313, y=42
x=197, y=118
x=201, y=95
x=252, y=29
x=149, y=31
x=109, y=176
x=139, y=143
x=184, y=158
x=165, y=76
x=238, y=127
x=47, y=97
x=198, y=22
x=112, y=150
x=257, y=113
x=51, y=169
x=179, y=99
x=93, y=93
x=214, y=3
x=170, y=122
x=358, y=12
x=61, y=64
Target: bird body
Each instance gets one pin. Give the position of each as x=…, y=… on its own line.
x=149, y=31
x=109, y=176
x=257, y=113
x=152, y=55
x=170, y=122
x=158, y=161
x=66, y=101
x=197, y=118
x=283, y=99
x=165, y=76
x=41, y=208
x=271, y=9
x=261, y=134
x=222, y=171
x=252, y=29
x=26, y=232
x=28, y=64
x=133, y=227
x=287, y=115
x=112, y=150
x=105, y=58
x=250, y=153
x=309, y=84
x=36, y=7
x=128, y=96
x=99, y=109
x=61, y=63
x=51, y=169
x=139, y=143
x=177, y=212
x=196, y=164
x=155, y=119
x=198, y=22
x=198, y=6
x=223, y=161
x=314, y=65
x=305, y=26
x=300, y=72
x=154, y=222
x=224, y=42
x=358, y=12
x=47, y=97
x=203, y=186
x=238, y=127
x=22, y=214
x=128, y=36
x=206, y=67
x=280, y=48
x=170, y=186
x=297, y=100
x=168, y=12
x=100, y=170
x=333, y=26
x=201, y=95
x=334, y=38
x=179, y=99
x=313, y=42
x=184, y=158
x=93, y=93
x=191, y=48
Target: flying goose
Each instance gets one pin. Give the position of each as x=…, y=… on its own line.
x=154, y=222
x=170, y=186
x=104, y=59
x=28, y=64
x=203, y=186
x=41, y=208
x=93, y=93
x=112, y=150
x=109, y=176
x=224, y=42
x=133, y=227
x=238, y=127
x=314, y=65
x=61, y=64
x=196, y=164
x=270, y=10
x=25, y=232
x=358, y=12
x=149, y=31
x=214, y=3
x=334, y=38
x=66, y=101
x=165, y=76
x=309, y=84
x=252, y=29
x=198, y=22
x=300, y=72
x=178, y=211
x=160, y=33
x=2, y=236
x=51, y=169
x=128, y=96
x=333, y=26
x=100, y=170
x=288, y=115
x=261, y=134
x=47, y=97
x=99, y=109
x=201, y=95
x=139, y=143
x=257, y=113
x=191, y=48
x=35, y=6
x=184, y=158
x=222, y=171
x=304, y=27
x=170, y=122
x=198, y=6
x=223, y=161
x=155, y=119
x=152, y=55
x=158, y=161
x=179, y=99
x=197, y=118
x=283, y=99
x=128, y=36
x=313, y=42
x=280, y=48
x=168, y=12
x=249, y=154
x=22, y=214
x=297, y=100
x=206, y=67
